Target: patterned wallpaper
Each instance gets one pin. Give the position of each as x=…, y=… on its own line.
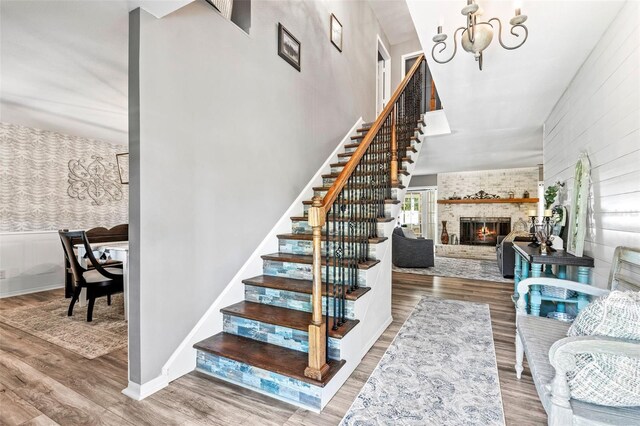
x=50, y=181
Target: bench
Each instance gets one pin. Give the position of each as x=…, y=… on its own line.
x=550, y=354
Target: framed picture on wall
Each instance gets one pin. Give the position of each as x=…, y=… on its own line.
x=579, y=206
x=288, y=47
x=336, y=32
x=123, y=167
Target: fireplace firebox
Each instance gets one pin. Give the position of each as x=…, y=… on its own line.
x=483, y=231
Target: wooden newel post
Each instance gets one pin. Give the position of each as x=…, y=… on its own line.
x=432, y=103
x=318, y=367
x=394, y=149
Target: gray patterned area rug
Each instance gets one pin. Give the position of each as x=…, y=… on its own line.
x=49, y=321
x=440, y=370
x=486, y=270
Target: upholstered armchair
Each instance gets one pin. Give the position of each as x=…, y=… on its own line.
x=505, y=254
x=408, y=251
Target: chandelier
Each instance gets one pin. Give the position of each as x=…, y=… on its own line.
x=477, y=36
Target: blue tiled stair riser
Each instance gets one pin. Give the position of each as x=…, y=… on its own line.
x=302, y=227
x=276, y=335
x=272, y=383
x=306, y=248
x=291, y=300
x=301, y=271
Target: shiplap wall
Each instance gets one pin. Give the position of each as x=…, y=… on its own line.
x=600, y=113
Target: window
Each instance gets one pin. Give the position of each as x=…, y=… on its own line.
x=419, y=211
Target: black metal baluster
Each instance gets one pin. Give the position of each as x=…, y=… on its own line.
x=341, y=259
x=327, y=237
x=335, y=264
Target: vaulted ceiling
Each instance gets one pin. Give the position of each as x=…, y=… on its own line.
x=496, y=115
x=64, y=64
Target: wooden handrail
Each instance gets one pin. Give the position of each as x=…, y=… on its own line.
x=317, y=367
x=348, y=169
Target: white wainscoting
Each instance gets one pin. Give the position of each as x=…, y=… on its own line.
x=30, y=262
x=600, y=113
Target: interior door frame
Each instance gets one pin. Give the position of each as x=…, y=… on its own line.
x=384, y=52
x=424, y=212
x=404, y=58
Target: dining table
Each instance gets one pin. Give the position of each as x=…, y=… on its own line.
x=117, y=250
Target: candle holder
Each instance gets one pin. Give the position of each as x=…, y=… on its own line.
x=532, y=230
x=542, y=231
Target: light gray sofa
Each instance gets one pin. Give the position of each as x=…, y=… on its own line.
x=551, y=354
x=409, y=251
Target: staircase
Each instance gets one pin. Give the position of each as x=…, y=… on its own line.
x=298, y=333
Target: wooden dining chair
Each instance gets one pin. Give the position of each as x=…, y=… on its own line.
x=99, y=281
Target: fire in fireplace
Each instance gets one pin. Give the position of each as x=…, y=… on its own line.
x=483, y=230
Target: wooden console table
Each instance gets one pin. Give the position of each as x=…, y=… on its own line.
x=529, y=264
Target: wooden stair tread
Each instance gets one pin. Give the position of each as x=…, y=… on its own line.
x=386, y=201
x=350, y=154
x=308, y=260
x=298, y=286
x=287, y=362
x=365, y=127
x=305, y=218
x=289, y=318
x=336, y=174
x=309, y=237
x=362, y=136
x=344, y=163
x=357, y=144
x=357, y=186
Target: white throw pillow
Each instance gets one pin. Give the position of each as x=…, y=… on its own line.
x=614, y=315
x=603, y=379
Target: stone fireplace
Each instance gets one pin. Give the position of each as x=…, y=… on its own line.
x=483, y=231
x=475, y=224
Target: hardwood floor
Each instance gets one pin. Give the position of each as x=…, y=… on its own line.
x=41, y=383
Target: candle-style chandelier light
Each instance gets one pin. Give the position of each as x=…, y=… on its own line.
x=477, y=36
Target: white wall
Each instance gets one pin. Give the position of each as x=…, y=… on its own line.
x=397, y=50
x=30, y=262
x=600, y=113
x=229, y=134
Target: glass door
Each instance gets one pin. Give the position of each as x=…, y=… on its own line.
x=411, y=214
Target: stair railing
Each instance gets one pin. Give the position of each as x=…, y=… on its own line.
x=350, y=210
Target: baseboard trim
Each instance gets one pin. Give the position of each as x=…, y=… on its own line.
x=141, y=391
x=31, y=290
x=376, y=336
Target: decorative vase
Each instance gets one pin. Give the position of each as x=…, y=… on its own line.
x=444, y=237
x=543, y=249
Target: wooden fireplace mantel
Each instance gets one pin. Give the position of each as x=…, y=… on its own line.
x=490, y=201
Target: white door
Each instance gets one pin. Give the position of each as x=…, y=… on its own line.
x=382, y=76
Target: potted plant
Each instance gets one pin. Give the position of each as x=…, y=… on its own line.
x=551, y=194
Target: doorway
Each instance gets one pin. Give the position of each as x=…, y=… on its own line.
x=419, y=210
x=383, y=76
x=430, y=98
